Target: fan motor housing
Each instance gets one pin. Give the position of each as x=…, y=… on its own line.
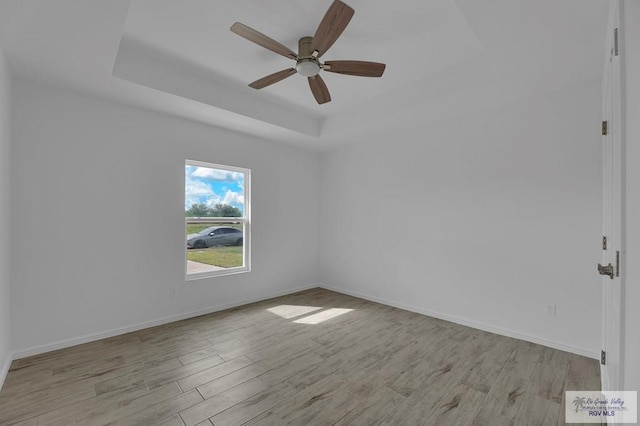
x=307, y=65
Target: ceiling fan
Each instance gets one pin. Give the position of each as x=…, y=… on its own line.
x=310, y=49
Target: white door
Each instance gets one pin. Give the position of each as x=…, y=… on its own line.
x=612, y=209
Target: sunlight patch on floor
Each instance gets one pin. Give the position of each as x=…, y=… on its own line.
x=322, y=316
x=292, y=311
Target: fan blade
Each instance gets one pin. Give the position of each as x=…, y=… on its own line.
x=272, y=78
x=332, y=25
x=319, y=89
x=359, y=68
x=262, y=40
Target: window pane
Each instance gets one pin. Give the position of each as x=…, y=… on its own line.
x=211, y=192
x=214, y=246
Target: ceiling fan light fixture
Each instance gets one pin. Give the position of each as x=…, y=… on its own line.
x=310, y=49
x=308, y=67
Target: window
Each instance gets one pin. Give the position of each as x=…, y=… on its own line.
x=217, y=219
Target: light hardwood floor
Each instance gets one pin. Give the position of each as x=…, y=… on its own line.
x=315, y=357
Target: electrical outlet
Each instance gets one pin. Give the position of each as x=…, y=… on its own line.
x=550, y=309
x=172, y=292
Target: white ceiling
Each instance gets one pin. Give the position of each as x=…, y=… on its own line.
x=443, y=58
x=406, y=34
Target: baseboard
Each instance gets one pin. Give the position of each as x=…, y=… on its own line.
x=147, y=324
x=470, y=323
x=4, y=370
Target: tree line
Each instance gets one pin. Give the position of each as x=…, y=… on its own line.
x=219, y=210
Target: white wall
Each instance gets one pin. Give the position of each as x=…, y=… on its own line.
x=98, y=211
x=506, y=207
x=5, y=148
x=482, y=220
x=631, y=297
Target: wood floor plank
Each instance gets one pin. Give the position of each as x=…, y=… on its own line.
x=537, y=410
x=218, y=403
x=349, y=352
x=13, y=388
x=283, y=371
x=29, y=422
x=254, y=406
x=459, y=407
x=60, y=358
x=157, y=354
x=509, y=390
x=305, y=375
x=228, y=350
x=155, y=380
x=325, y=405
x=161, y=411
x=438, y=345
x=231, y=380
x=174, y=421
x=548, y=379
x=133, y=388
x=212, y=373
x=485, y=370
x=198, y=355
x=279, y=351
x=582, y=374
x=303, y=404
x=106, y=414
x=221, y=349
x=372, y=410
x=44, y=400
x=366, y=380
x=119, y=380
x=267, y=363
x=427, y=397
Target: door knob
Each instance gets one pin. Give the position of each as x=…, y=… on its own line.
x=606, y=270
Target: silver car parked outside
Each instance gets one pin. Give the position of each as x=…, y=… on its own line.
x=215, y=236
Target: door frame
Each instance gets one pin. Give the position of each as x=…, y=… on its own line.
x=612, y=378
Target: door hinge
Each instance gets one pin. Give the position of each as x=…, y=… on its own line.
x=604, y=243
x=615, y=41
x=605, y=127
x=603, y=357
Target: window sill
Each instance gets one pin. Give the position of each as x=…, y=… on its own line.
x=212, y=274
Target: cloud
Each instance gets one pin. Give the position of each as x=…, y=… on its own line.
x=230, y=197
x=216, y=174
x=197, y=189
x=233, y=198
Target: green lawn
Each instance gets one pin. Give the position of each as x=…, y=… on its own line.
x=225, y=257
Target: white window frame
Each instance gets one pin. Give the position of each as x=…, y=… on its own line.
x=245, y=219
